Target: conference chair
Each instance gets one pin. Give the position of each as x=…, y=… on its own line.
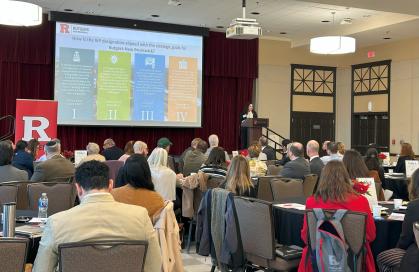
x=416, y=232
x=354, y=229
x=283, y=188
x=13, y=253
x=22, y=193
x=114, y=166
x=256, y=221
x=264, y=190
x=309, y=183
x=274, y=170
x=8, y=193
x=105, y=256
x=61, y=196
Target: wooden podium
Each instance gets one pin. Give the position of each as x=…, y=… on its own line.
x=252, y=127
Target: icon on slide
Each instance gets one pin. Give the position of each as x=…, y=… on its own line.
x=151, y=62
x=114, y=59
x=76, y=56
x=183, y=64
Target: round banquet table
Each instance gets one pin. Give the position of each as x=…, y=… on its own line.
x=398, y=184
x=289, y=222
x=33, y=241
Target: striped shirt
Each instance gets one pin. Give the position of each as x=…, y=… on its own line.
x=215, y=171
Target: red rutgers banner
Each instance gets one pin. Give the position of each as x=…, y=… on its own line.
x=36, y=119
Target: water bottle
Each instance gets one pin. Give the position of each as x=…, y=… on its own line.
x=43, y=206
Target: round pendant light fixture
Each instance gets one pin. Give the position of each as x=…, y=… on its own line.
x=17, y=13
x=333, y=45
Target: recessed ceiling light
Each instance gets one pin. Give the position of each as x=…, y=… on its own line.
x=282, y=33
x=255, y=13
x=155, y=15
x=325, y=21
x=219, y=26
x=69, y=10
x=387, y=38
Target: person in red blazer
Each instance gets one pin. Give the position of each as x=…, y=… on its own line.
x=335, y=192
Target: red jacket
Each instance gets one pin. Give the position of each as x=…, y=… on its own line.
x=356, y=203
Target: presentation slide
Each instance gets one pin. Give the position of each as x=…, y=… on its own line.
x=108, y=76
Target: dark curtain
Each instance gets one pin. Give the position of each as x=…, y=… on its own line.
x=230, y=68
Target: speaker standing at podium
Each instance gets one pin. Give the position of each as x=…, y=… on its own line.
x=249, y=113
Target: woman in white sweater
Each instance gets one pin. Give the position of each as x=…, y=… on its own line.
x=164, y=179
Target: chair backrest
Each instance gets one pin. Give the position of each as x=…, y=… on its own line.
x=274, y=170
x=286, y=188
x=264, y=191
x=354, y=229
x=416, y=232
x=22, y=193
x=309, y=184
x=114, y=166
x=106, y=256
x=61, y=196
x=8, y=193
x=256, y=226
x=13, y=253
x=66, y=179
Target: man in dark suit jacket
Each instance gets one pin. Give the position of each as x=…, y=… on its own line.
x=268, y=150
x=55, y=168
x=316, y=164
x=111, y=151
x=298, y=167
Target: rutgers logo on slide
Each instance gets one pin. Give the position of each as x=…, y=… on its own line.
x=64, y=28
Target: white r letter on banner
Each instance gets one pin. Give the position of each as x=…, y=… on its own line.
x=28, y=128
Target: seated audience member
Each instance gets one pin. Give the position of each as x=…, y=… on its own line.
x=7, y=171
x=33, y=148
x=333, y=153
x=324, y=148
x=284, y=152
x=22, y=159
x=316, y=164
x=257, y=167
x=128, y=151
x=341, y=148
x=111, y=151
x=298, y=167
x=373, y=164
x=213, y=141
x=55, y=167
x=163, y=178
x=140, y=189
x=405, y=154
x=238, y=178
x=140, y=148
x=98, y=218
x=194, y=143
x=335, y=192
x=164, y=143
x=267, y=149
x=195, y=159
x=44, y=156
x=405, y=256
x=93, y=150
x=356, y=168
x=215, y=165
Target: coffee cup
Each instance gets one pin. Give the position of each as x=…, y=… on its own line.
x=376, y=211
x=397, y=203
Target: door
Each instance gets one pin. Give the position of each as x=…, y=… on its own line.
x=306, y=126
x=368, y=128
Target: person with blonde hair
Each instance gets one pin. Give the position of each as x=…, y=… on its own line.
x=405, y=154
x=93, y=150
x=238, y=178
x=163, y=178
x=257, y=167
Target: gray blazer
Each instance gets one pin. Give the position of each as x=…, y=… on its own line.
x=99, y=217
x=53, y=168
x=11, y=173
x=297, y=169
x=316, y=166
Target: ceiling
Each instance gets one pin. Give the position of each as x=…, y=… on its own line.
x=291, y=20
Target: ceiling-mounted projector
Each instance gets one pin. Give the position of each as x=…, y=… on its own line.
x=244, y=28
